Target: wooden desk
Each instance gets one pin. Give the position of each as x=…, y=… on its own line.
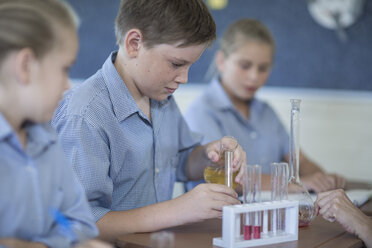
x=320, y=233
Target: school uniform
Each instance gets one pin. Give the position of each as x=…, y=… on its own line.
x=123, y=159
x=35, y=182
x=262, y=136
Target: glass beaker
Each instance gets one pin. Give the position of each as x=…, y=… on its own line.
x=221, y=172
x=216, y=174
x=296, y=190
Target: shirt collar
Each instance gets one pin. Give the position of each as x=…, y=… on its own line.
x=123, y=102
x=38, y=136
x=43, y=134
x=5, y=128
x=221, y=100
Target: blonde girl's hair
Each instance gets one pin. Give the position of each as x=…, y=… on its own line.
x=245, y=30
x=34, y=24
x=236, y=35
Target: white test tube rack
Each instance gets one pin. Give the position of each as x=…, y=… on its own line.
x=231, y=236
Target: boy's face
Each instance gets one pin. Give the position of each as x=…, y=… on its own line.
x=50, y=78
x=244, y=71
x=161, y=69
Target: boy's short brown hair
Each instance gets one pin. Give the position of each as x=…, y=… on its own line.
x=166, y=21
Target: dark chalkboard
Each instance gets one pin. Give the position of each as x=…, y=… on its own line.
x=308, y=55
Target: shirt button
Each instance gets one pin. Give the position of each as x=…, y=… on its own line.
x=156, y=170
x=30, y=168
x=253, y=135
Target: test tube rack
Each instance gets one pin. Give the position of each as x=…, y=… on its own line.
x=231, y=218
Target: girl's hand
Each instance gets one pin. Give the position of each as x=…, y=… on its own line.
x=18, y=243
x=320, y=182
x=336, y=206
x=94, y=243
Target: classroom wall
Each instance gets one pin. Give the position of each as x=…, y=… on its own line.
x=308, y=55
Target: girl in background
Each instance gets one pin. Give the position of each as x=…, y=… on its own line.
x=229, y=106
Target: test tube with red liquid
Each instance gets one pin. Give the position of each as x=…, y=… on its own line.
x=257, y=225
x=247, y=226
x=252, y=194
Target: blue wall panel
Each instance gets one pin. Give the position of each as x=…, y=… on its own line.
x=308, y=55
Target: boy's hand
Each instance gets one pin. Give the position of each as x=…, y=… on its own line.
x=205, y=201
x=215, y=149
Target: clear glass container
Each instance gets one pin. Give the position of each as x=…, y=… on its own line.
x=252, y=194
x=216, y=174
x=279, y=192
x=296, y=190
x=221, y=172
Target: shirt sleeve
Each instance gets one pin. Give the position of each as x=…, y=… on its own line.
x=75, y=208
x=186, y=140
x=189, y=140
x=86, y=147
x=206, y=124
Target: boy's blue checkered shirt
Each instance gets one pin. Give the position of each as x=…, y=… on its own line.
x=123, y=160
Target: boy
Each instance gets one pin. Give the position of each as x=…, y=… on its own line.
x=124, y=133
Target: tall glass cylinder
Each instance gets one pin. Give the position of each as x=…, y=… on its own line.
x=296, y=190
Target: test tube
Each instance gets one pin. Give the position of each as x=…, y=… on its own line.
x=274, y=195
x=279, y=191
x=229, y=158
x=283, y=184
x=247, y=198
x=252, y=194
x=265, y=224
x=228, y=146
x=257, y=198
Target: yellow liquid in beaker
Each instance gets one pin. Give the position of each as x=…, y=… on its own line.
x=213, y=174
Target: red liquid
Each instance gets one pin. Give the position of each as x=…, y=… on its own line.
x=247, y=232
x=303, y=219
x=303, y=223
x=256, y=232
